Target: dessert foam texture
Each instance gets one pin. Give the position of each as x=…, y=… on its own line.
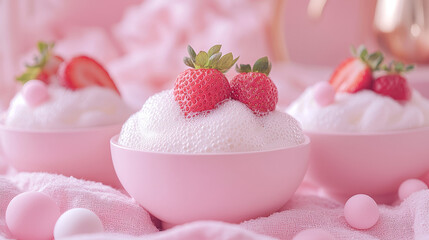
x=88, y=107
x=160, y=126
x=364, y=111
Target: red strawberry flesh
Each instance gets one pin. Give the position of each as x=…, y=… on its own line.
x=351, y=76
x=83, y=71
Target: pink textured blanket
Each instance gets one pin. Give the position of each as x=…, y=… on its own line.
x=123, y=218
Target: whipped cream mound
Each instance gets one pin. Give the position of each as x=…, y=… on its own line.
x=86, y=107
x=364, y=111
x=160, y=126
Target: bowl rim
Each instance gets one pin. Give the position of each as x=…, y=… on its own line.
x=114, y=142
x=3, y=127
x=367, y=134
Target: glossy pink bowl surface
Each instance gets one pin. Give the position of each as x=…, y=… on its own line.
x=373, y=163
x=82, y=152
x=231, y=187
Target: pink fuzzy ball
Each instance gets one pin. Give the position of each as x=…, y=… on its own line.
x=409, y=187
x=324, y=93
x=32, y=215
x=35, y=92
x=361, y=211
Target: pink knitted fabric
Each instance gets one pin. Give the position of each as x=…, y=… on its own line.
x=123, y=218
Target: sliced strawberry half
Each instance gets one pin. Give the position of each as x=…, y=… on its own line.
x=83, y=71
x=355, y=73
x=351, y=76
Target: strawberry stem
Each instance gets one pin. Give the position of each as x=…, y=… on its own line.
x=373, y=60
x=397, y=67
x=262, y=65
x=33, y=70
x=212, y=59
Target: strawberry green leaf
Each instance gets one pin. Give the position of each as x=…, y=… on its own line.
x=374, y=56
x=44, y=47
x=244, y=68
x=261, y=65
x=188, y=62
x=191, y=53
x=373, y=60
x=397, y=67
x=214, y=59
x=29, y=74
x=363, y=55
x=233, y=62
x=224, y=62
x=269, y=68
x=361, y=51
x=377, y=64
x=45, y=50
x=214, y=49
x=201, y=59
x=409, y=68
x=227, y=63
x=211, y=60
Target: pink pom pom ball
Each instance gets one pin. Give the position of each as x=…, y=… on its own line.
x=361, y=211
x=324, y=94
x=409, y=187
x=313, y=234
x=35, y=92
x=32, y=215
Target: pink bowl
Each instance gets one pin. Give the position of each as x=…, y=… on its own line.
x=81, y=152
x=231, y=187
x=373, y=163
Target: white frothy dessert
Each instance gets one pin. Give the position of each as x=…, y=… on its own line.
x=86, y=107
x=364, y=111
x=160, y=126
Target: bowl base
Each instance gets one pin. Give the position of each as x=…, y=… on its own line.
x=229, y=187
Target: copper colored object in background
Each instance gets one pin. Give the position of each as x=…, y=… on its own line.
x=402, y=28
x=276, y=32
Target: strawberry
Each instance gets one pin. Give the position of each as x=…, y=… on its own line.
x=52, y=65
x=83, y=71
x=204, y=86
x=45, y=66
x=393, y=84
x=355, y=73
x=254, y=88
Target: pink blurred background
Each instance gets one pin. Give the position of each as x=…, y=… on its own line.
x=142, y=43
